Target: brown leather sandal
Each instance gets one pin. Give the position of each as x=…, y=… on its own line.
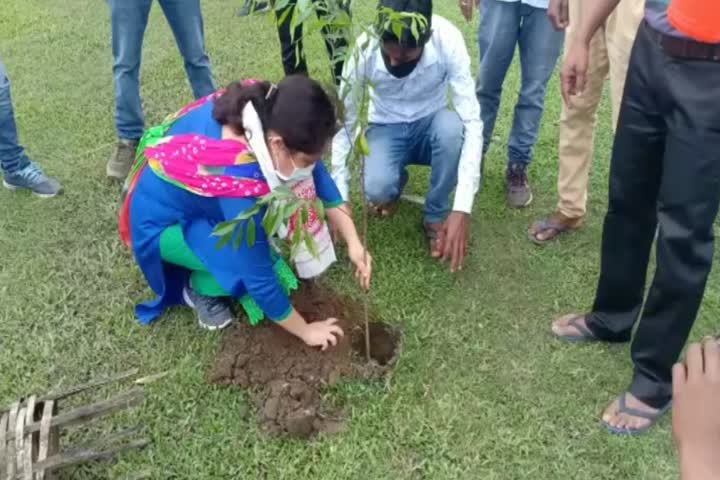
x=554, y=225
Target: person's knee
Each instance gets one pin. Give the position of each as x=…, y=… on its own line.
x=448, y=135
x=381, y=187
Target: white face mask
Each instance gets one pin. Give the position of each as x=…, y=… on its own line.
x=297, y=174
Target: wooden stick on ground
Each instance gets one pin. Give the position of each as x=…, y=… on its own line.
x=85, y=413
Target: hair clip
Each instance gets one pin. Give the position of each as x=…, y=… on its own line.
x=270, y=91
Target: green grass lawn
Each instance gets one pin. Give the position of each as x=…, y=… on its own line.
x=481, y=391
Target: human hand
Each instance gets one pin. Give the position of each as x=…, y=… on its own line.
x=322, y=334
x=363, y=264
x=558, y=14
x=696, y=420
x=573, y=74
x=454, y=239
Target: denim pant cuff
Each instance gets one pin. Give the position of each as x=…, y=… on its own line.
x=10, y=167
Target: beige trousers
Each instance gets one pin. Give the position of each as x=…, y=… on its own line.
x=609, y=55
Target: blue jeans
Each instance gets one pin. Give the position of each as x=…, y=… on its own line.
x=12, y=154
x=434, y=141
x=128, y=19
x=502, y=26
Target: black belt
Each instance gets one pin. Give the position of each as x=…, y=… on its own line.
x=685, y=47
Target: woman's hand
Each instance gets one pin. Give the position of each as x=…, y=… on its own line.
x=363, y=264
x=322, y=334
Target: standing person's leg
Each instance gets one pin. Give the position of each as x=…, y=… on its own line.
x=291, y=43
x=498, y=32
x=17, y=170
x=575, y=146
x=687, y=207
x=186, y=21
x=540, y=47
x=385, y=175
x=128, y=19
x=621, y=29
x=635, y=170
x=12, y=154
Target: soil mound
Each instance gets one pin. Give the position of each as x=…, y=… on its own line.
x=285, y=376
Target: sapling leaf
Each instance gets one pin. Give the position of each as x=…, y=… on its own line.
x=250, y=237
x=224, y=240
x=238, y=237
x=224, y=228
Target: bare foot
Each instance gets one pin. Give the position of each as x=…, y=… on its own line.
x=562, y=328
x=626, y=421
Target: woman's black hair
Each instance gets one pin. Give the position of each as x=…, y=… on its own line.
x=407, y=38
x=298, y=109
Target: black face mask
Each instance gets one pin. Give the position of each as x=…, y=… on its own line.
x=401, y=70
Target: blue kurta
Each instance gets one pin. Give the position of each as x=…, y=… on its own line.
x=157, y=204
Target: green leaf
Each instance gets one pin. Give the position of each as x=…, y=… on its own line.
x=304, y=215
x=290, y=210
x=223, y=241
x=224, y=228
x=319, y=209
x=238, y=237
x=281, y=4
x=269, y=220
x=414, y=29
x=361, y=144
x=251, y=232
x=397, y=29
x=311, y=245
x=296, y=235
x=284, y=16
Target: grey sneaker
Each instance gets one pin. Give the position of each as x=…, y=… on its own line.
x=32, y=178
x=122, y=159
x=248, y=9
x=519, y=194
x=213, y=312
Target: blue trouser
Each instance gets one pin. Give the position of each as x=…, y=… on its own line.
x=128, y=20
x=502, y=26
x=434, y=141
x=12, y=154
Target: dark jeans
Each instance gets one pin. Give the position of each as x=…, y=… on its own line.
x=12, y=154
x=664, y=174
x=291, y=44
x=128, y=19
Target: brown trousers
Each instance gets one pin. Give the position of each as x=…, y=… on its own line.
x=609, y=56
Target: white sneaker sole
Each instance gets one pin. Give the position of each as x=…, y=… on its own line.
x=204, y=326
x=15, y=188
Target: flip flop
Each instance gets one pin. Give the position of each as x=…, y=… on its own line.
x=653, y=418
x=546, y=225
x=585, y=334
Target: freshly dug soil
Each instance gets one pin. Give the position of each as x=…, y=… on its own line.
x=285, y=376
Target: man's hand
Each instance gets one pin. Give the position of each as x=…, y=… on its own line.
x=453, y=239
x=696, y=420
x=573, y=75
x=558, y=14
x=466, y=7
